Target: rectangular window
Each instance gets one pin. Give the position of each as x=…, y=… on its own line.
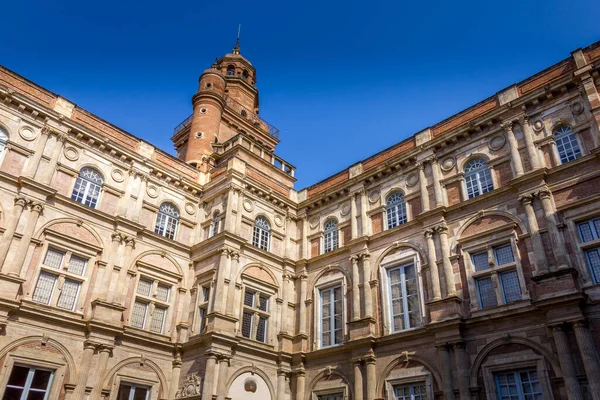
x=332, y=396
x=404, y=297
x=77, y=265
x=26, y=383
x=158, y=319
x=511, y=290
x=162, y=292
x=504, y=254
x=480, y=261
x=138, y=314
x=255, y=315
x=68, y=294
x=487, y=294
x=205, y=296
x=590, y=231
x=332, y=316
x=568, y=148
x=130, y=391
x=144, y=287
x=44, y=288
x=410, y=391
x=54, y=258
x=519, y=385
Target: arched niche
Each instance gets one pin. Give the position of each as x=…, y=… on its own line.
x=409, y=369
x=250, y=384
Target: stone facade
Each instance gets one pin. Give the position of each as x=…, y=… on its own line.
x=460, y=263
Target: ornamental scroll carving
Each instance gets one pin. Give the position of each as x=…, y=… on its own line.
x=190, y=387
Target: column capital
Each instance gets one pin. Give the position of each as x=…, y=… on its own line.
x=428, y=233
x=420, y=165
x=117, y=237
x=524, y=119
x=507, y=126
x=544, y=194
x=224, y=358
x=354, y=258
x=21, y=201
x=526, y=199
x=103, y=348
x=365, y=255
x=130, y=241
x=442, y=229
x=36, y=207
x=211, y=355
x=89, y=345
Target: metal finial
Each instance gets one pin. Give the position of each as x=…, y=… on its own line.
x=236, y=49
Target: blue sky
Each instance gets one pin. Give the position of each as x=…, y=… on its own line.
x=340, y=79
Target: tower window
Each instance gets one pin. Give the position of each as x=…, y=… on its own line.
x=262, y=233
x=478, y=178
x=203, y=111
x=395, y=210
x=245, y=75
x=231, y=70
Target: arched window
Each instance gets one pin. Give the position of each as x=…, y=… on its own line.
x=88, y=187
x=231, y=70
x=566, y=144
x=3, y=140
x=214, y=227
x=395, y=210
x=245, y=75
x=478, y=178
x=261, y=236
x=330, y=236
x=167, y=220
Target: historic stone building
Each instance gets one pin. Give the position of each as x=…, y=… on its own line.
x=461, y=263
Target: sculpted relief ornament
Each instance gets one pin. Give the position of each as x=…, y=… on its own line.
x=190, y=387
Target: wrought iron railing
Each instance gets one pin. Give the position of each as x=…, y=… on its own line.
x=244, y=113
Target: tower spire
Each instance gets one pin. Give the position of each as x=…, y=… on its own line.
x=236, y=49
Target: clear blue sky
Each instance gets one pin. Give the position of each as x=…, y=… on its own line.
x=340, y=79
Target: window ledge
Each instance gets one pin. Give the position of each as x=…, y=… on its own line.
x=497, y=310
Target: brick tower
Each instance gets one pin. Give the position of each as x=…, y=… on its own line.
x=225, y=105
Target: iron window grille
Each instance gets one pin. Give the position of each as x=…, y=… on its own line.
x=478, y=178
x=88, y=186
x=255, y=315
x=330, y=236
x=395, y=210
x=566, y=144
x=167, y=221
x=261, y=235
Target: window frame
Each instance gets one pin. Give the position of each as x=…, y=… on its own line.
x=506, y=362
x=556, y=136
x=3, y=142
x=62, y=274
x=260, y=234
x=204, y=293
x=152, y=302
x=331, y=236
x=162, y=228
x=29, y=379
x=476, y=174
x=586, y=247
x=134, y=386
x=257, y=313
x=343, y=390
x=215, y=224
x=402, y=377
x=331, y=288
x=400, y=209
x=401, y=267
x=86, y=191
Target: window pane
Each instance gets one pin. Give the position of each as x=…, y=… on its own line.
x=504, y=254
x=123, y=392
x=585, y=232
x=68, y=294
x=249, y=298
x=54, y=258
x=158, y=317
x=77, y=265
x=140, y=393
x=205, y=293
x=566, y=144
x=593, y=259
x=261, y=329
x=40, y=380
x=35, y=395
x=162, y=293
x=480, y=261
x=144, y=287
x=247, y=324
x=264, y=303
x=510, y=286
x=44, y=287
x=18, y=376
x=138, y=314
x=12, y=394
x=487, y=294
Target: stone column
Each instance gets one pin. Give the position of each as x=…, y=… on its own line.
x=223, y=375
x=433, y=268
x=532, y=152
x=305, y=237
x=540, y=262
x=462, y=361
x=284, y=306
x=364, y=224
x=104, y=287
x=353, y=216
x=358, y=380
x=371, y=377
x=34, y=162
x=175, y=376
x=589, y=355
x=209, y=376
x=12, y=221
x=355, y=289
x=442, y=231
x=124, y=202
x=14, y=268
x=120, y=292
x=281, y=385
x=423, y=187
x=105, y=352
x=514, y=148
x=84, y=370
x=51, y=167
x=140, y=197
x=566, y=363
x=229, y=223
x=367, y=294
x=233, y=271
x=446, y=373
x=302, y=327
x=300, y=383
x=240, y=210
x=218, y=298
x=440, y=199
x=556, y=235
